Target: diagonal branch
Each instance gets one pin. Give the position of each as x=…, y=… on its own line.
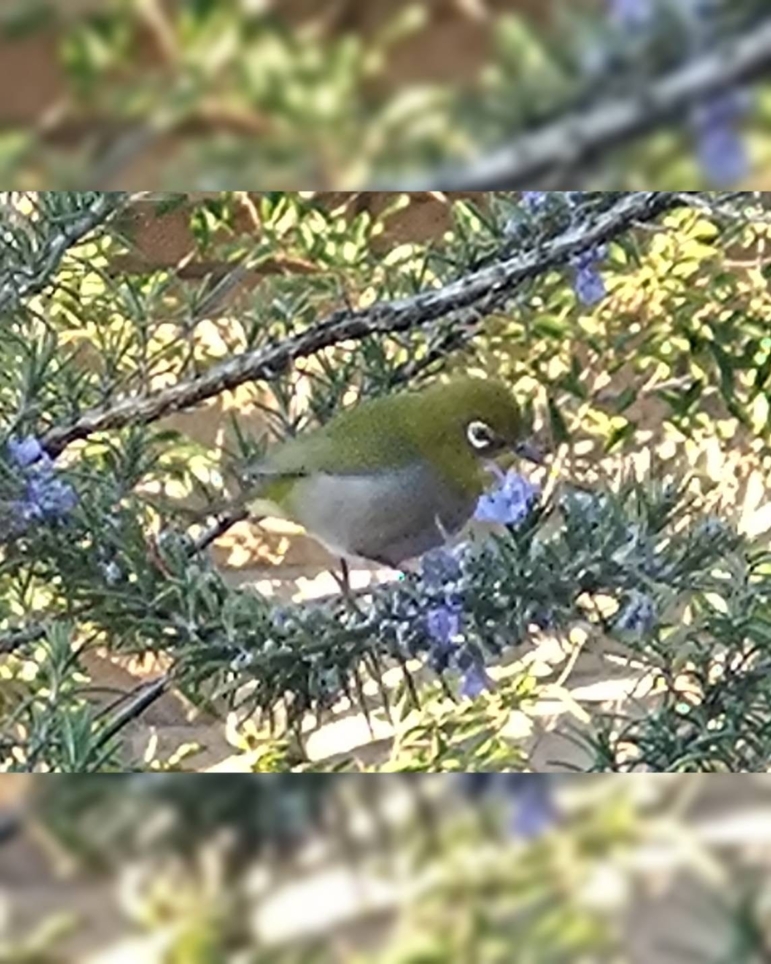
x=477, y=293
x=576, y=138
x=147, y=694
x=20, y=637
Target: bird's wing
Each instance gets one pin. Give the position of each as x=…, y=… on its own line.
x=341, y=449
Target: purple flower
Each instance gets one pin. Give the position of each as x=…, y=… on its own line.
x=27, y=451
x=45, y=497
x=475, y=681
x=533, y=810
x=474, y=677
x=510, y=502
x=632, y=13
x=719, y=146
x=589, y=286
x=535, y=201
x=588, y=283
x=439, y=567
x=638, y=616
x=443, y=623
x=530, y=799
x=49, y=498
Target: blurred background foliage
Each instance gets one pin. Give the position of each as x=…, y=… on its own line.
x=362, y=869
x=624, y=623
x=212, y=95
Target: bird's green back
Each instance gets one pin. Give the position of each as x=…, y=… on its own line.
x=395, y=431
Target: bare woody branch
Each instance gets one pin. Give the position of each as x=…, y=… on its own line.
x=148, y=694
x=475, y=295
x=575, y=139
x=21, y=637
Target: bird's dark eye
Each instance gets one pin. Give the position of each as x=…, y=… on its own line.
x=480, y=436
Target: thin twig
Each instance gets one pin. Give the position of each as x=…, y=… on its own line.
x=575, y=138
x=144, y=699
x=20, y=637
x=219, y=528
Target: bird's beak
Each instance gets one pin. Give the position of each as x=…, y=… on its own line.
x=526, y=450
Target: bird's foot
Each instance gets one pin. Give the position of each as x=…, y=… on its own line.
x=343, y=580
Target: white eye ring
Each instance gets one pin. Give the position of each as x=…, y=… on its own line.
x=480, y=436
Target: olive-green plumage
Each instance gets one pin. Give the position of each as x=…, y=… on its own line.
x=393, y=476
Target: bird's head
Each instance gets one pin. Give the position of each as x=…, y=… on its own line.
x=483, y=416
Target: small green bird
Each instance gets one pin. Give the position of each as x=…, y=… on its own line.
x=395, y=476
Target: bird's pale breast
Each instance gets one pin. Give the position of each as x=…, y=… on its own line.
x=386, y=516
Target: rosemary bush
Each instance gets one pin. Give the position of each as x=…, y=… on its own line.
x=590, y=304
